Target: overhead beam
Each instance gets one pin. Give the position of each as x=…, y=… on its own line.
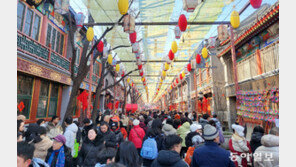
x=150, y=75
x=158, y=23
x=153, y=61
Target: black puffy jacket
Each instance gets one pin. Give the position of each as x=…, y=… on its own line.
x=255, y=141
x=167, y=158
x=87, y=156
x=109, y=138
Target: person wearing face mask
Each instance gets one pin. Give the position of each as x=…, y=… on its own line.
x=87, y=156
x=59, y=154
x=107, y=135
x=116, y=130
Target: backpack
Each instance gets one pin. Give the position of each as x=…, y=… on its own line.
x=149, y=149
x=189, y=155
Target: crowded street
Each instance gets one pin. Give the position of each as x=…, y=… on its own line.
x=148, y=83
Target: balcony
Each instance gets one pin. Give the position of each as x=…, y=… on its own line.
x=33, y=48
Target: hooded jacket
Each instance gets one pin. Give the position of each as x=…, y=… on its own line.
x=183, y=131
x=87, y=156
x=70, y=135
x=255, y=140
x=269, y=149
x=42, y=147
x=136, y=136
x=239, y=143
x=168, y=129
x=169, y=158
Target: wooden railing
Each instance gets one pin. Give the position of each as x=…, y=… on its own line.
x=247, y=68
x=270, y=57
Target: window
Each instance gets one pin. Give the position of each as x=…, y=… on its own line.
x=24, y=93
x=58, y=41
x=61, y=44
x=55, y=38
x=20, y=15
x=28, y=22
x=43, y=99
x=53, y=103
x=49, y=28
x=35, y=33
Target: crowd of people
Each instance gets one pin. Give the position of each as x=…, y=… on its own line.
x=148, y=139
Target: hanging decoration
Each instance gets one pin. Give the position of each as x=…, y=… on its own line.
x=122, y=6
x=174, y=47
x=222, y=32
x=189, y=67
x=141, y=73
x=166, y=66
x=163, y=73
x=140, y=66
x=171, y=55
x=204, y=53
x=177, y=32
x=79, y=19
x=117, y=68
x=135, y=47
x=110, y=59
x=143, y=79
x=122, y=75
x=129, y=24
x=234, y=19
x=190, y=5
x=21, y=106
x=128, y=80
x=198, y=58
x=133, y=37
x=182, y=23
x=183, y=74
x=256, y=3
x=90, y=34
x=100, y=46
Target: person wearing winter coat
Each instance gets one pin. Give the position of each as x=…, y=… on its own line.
x=108, y=136
x=42, y=146
x=210, y=154
x=136, y=135
x=116, y=130
x=59, y=154
x=257, y=134
x=123, y=130
x=267, y=155
x=204, y=120
x=182, y=132
x=168, y=129
x=156, y=133
x=106, y=156
x=239, y=145
x=70, y=134
x=217, y=122
x=195, y=130
x=171, y=155
x=87, y=126
x=53, y=128
x=143, y=126
x=87, y=156
x=221, y=137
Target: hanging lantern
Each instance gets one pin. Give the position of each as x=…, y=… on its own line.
x=177, y=80
x=140, y=66
x=166, y=66
x=60, y=6
x=141, y=73
x=163, y=73
x=161, y=80
x=122, y=75
x=181, y=76
x=110, y=59
x=90, y=34
x=117, y=68
x=204, y=52
x=177, y=32
x=174, y=47
x=222, y=32
x=129, y=24
x=135, y=47
x=34, y=3
x=122, y=6
x=138, y=56
x=198, y=58
x=79, y=19
x=128, y=80
x=256, y=3
x=100, y=46
x=143, y=79
x=133, y=37
x=189, y=5
x=182, y=23
x=189, y=67
x=171, y=55
x=234, y=19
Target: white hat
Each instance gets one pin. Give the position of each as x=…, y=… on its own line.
x=195, y=127
x=238, y=129
x=136, y=122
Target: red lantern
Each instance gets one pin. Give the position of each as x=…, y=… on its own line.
x=100, y=46
x=256, y=3
x=141, y=73
x=189, y=67
x=177, y=81
x=133, y=37
x=122, y=75
x=140, y=66
x=198, y=58
x=171, y=55
x=182, y=23
x=181, y=77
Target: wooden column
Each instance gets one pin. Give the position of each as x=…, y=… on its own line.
x=233, y=56
x=59, y=100
x=258, y=60
x=35, y=99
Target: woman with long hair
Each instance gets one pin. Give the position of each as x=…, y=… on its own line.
x=127, y=155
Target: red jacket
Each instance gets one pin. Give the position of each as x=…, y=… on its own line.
x=124, y=133
x=136, y=136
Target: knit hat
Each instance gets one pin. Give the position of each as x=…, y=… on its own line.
x=60, y=138
x=210, y=132
x=195, y=127
x=177, y=116
x=168, y=129
x=238, y=129
x=136, y=122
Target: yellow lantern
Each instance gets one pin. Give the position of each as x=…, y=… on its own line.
x=166, y=66
x=183, y=74
x=161, y=80
x=117, y=67
x=128, y=80
x=123, y=6
x=90, y=34
x=163, y=73
x=174, y=47
x=110, y=59
x=204, y=52
x=234, y=19
x=143, y=79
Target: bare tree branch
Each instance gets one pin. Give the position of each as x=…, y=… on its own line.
x=121, y=46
